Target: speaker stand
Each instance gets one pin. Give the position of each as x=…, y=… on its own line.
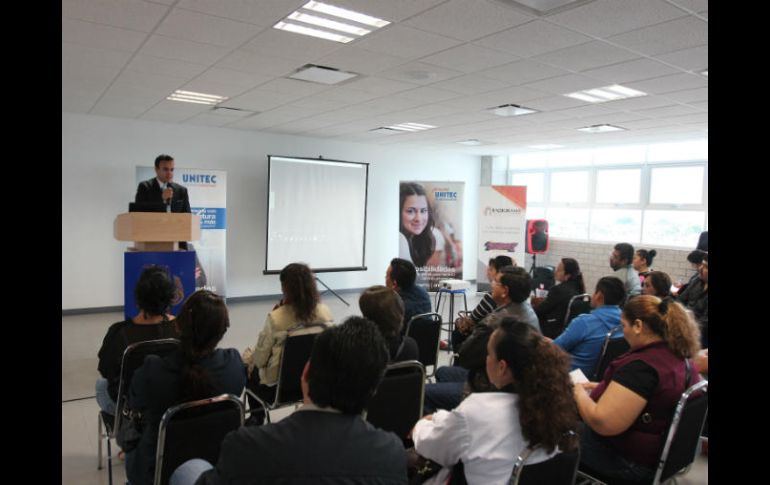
x=534, y=263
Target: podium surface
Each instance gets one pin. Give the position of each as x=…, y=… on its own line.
x=157, y=231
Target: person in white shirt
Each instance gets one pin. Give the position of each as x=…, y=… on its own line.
x=485, y=431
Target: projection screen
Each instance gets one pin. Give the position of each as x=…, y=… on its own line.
x=316, y=214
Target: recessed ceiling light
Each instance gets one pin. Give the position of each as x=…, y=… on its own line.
x=193, y=97
x=471, y=143
x=600, y=129
x=547, y=146
x=321, y=74
x=511, y=110
x=328, y=22
x=607, y=93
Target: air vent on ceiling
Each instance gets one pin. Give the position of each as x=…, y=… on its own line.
x=321, y=74
x=541, y=8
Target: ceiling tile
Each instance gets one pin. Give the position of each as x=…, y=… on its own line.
x=603, y=18
x=468, y=19
x=351, y=58
x=586, y=56
x=244, y=61
x=263, y=12
x=667, y=37
x=86, y=57
x=100, y=36
x=206, y=29
x=236, y=78
x=533, y=38
x=635, y=70
x=667, y=84
x=521, y=72
x=183, y=50
x=288, y=45
x=689, y=95
x=692, y=59
x=132, y=15
x=419, y=73
x=151, y=65
x=405, y=42
x=469, y=58
x=564, y=84
x=391, y=10
x=259, y=100
x=470, y=84
x=379, y=86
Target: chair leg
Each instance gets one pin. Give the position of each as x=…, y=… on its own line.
x=109, y=459
x=99, y=438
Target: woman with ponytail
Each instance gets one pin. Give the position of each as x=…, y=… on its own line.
x=198, y=370
x=628, y=413
x=531, y=405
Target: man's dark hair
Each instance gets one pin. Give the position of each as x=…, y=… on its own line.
x=613, y=289
x=500, y=262
x=154, y=291
x=346, y=365
x=163, y=158
x=626, y=251
x=518, y=282
x=696, y=256
x=403, y=273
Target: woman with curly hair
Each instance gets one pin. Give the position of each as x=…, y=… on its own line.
x=657, y=284
x=419, y=237
x=299, y=312
x=531, y=405
x=628, y=412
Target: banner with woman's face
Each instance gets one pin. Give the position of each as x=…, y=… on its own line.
x=430, y=230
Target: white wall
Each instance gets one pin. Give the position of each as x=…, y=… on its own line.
x=99, y=156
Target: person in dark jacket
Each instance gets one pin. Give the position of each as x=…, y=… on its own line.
x=326, y=440
x=553, y=309
x=400, y=276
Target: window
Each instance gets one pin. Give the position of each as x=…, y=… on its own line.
x=618, y=186
x=649, y=194
x=677, y=185
x=535, y=184
x=569, y=187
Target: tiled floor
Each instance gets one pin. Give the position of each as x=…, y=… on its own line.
x=81, y=338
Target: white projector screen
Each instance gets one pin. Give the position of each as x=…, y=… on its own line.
x=316, y=214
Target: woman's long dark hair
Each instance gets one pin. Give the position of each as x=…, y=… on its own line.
x=421, y=246
x=572, y=268
x=298, y=284
x=202, y=323
x=547, y=410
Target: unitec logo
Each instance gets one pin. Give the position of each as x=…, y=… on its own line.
x=199, y=178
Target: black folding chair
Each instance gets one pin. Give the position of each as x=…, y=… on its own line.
x=133, y=358
x=195, y=429
x=425, y=328
x=612, y=348
x=682, y=440
x=296, y=353
x=397, y=404
x=577, y=305
x=560, y=469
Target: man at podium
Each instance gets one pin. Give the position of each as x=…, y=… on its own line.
x=162, y=190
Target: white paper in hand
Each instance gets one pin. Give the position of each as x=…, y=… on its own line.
x=578, y=377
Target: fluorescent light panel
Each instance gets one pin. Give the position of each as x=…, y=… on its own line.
x=600, y=129
x=607, y=93
x=470, y=143
x=350, y=29
x=410, y=127
x=511, y=110
x=193, y=97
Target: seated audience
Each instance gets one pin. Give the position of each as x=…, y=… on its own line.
x=385, y=308
x=621, y=261
x=628, y=413
x=510, y=292
x=695, y=258
x=553, y=309
x=464, y=326
x=657, y=283
x=154, y=294
x=530, y=405
x=299, y=312
x=400, y=276
x=642, y=262
x=324, y=441
x=696, y=298
x=585, y=334
x=198, y=370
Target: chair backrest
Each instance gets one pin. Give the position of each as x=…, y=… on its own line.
x=195, y=429
x=684, y=432
x=133, y=358
x=425, y=328
x=397, y=404
x=561, y=469
x=577, y=305
x=612, y=348
x=296, y=353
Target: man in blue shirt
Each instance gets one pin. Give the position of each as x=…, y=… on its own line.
x=584, y=336
x=400, y=276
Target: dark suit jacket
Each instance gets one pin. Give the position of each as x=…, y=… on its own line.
x=310, y=447
x=150, y=191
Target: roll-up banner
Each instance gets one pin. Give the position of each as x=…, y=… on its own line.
x=502, y=227
x=430, y=230
x=207, y=190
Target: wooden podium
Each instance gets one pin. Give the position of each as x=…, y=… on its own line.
x=157, y=231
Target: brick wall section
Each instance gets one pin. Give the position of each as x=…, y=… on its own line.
x=594, y=260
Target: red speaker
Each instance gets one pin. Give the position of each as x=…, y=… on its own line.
x=537, y=236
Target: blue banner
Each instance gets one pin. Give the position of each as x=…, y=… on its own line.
x=211, y=217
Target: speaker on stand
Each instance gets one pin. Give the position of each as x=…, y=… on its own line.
x=537, y=240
